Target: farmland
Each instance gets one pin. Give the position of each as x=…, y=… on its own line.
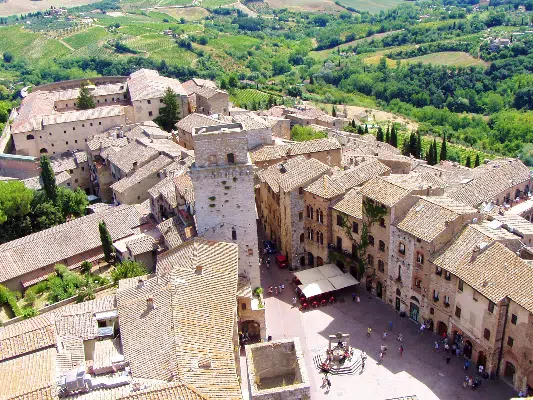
x=372, y=6
x=248, y=97
x=11, y=7
x=455, y=58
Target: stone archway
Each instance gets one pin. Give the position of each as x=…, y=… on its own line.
x=467, y=351
x=481, y=359
x=442, y=328
x=253, y=329
x=509, y=372
x=379, y=290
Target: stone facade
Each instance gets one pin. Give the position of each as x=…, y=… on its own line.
x=276, y=371
x=317, y=229
x=19, y=167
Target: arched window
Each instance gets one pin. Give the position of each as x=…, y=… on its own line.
x=371, y=240
x=381, y=245
x=43, y=150
x=371, y=260
x=233, y=234
x=302, y=238
x=312, y=234
x=381, y=266
x=308, y=233
x=398, y=292
x=321, y=238
x=231, y=158
x=30, y=137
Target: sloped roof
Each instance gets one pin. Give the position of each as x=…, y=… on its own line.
x=251, y=121
x=325, y=187
x=351, y=204
x=166, y=189
x=195, y=120
x=302, y=174
x=36, y=183
x=384, y=191
x=134, y=152
x=148, y=84
x=142, y=173
x=272, y=175
x=269, y=152
x=83, y=115
x=26, y=336
x=174, y=232
x=175, y=391
x=361, y=173
x=313, y=146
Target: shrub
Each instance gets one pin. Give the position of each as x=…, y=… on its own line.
x=128, y=269
x=29, y=312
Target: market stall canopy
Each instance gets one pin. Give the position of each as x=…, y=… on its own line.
x=329, y=270
x=309, y=276
x=316, y=288
x=343, y=280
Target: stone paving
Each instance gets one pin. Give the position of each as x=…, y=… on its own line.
x=419, y=371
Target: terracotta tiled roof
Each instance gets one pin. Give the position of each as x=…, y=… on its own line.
x=31, y=376
x=142, y=173
x=103, y=141
x=384, y=191
x=166, y=189
x=361, y=173
x=36, y=183
x=251, y=121
x=31, y=112
x=302, y=174
x=490, y=180
x=176, y=391
x=184, y=187
x=26, y=336
x=134, y=152
x=269, y=152
x=208, y=92
x=272, y=175
x=174, y=232
x=325, y=187
x=313, y=146
x=56, y=244
x=195, y=120
x=515, y=222
x=148, y=84
x=141, y=245
x=83, y=115
x=430, y=216
x=351, y=204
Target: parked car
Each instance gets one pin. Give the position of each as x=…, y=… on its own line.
x=281, y=261
x=270, y=247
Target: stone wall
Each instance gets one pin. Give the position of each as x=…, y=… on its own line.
x=20, y=167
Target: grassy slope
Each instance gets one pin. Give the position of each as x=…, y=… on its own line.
x=372, y=6
x=455, y=58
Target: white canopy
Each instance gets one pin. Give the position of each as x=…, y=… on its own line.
x=342, y=281
x=329, y=270
x=309, y=275
x=316, y=288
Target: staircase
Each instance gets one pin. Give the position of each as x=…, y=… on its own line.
x=349, y=367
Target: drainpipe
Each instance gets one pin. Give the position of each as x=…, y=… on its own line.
x=503, y=337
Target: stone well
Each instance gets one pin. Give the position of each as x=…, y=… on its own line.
x=276, y=371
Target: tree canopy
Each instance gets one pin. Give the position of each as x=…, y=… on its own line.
x=85, y=99
x=170, y=113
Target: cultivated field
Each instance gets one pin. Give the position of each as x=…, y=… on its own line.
x=455, y=58
x=11, y=7
x=189, y=13
x=306, y=5
x=372, y=6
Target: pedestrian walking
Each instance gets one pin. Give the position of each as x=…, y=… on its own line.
x=276, y=290
x=401, y=350
x=422, y=327
x=353, y=297
x=358, y=300
x=446, y=348
x=270, y=290
x=448, y=358
x=324, y=381
x=294, y=301
x=467, y=364
x=480, y=369
x=399, y=338
x=457, y=352
x=384, y=335
x=328, y=383
x=381, y=357
x=282, y=287
x=363, y=360
x=390, y=325
x=368, y=331
x=436, y=346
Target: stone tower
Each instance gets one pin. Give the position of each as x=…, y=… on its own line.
x=223, y=181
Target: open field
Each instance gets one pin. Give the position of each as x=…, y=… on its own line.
x=455, y=58
x=372, y=6
x=306, y=5
x=11, y=7
x=189, y=13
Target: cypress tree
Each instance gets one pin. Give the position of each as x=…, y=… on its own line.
x=476, y=162
x=443, y=150
x=429, y=155
x=353, y=124
x=393, y=137
x=311, y=80
x=366, y=128
x=85, y=100
x=387, y=136
x=379, y=135
x=49, y=179
x=169, y=114
x=468, y=162
x=435, y=156
x=413, y=144
x=360, y=130
x=107, y=242
x=418, y=145
x=333, y=111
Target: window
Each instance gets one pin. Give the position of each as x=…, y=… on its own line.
x=64, y=131
x=321, y=238
x=419, y=258
x=371, y=240
x=381, y=245
x=105, y=100
x=370, y=260
x=486, y=334
x=339, y=243
x=66, y=142
x=418, y=283
x=300, y=190
x=381, y=266
x=312, y=235
x=302, y=238
x=83, y=125
x=30, y=137
x=514, y=319
x=354, y=250
x=432, y=310
x=460, y=285
x=448, y=276
x=447, y=300
x=355, y=227
x=435, y=295
x=243, y=306
x=160, y=100
x=382, y=222
x=320, y=216
x=438, y=271
x=150, y=113
x=510, y=341
x=230, y=157
x=457, y=312
x=339, y=220
x=491, y=307
x=149, y=101
x=91, y=124
x=233, y=234
x=474, y=295
x=73, y=128
x=75, y=141
x=300, y=215
x=100, y=123
x=401, y=248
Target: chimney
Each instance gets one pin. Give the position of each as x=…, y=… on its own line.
x=199, y=269
x=140, y=283
x=150, y=303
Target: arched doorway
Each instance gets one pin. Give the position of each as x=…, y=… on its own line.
x=319, y=261
x=379, y=290
x=508, y=372
x=481, y=359
x=467, y=351
x=310, y=259
x=414, y=311
x=43, y=150
x=398, y=302
x=369, y=283
x=442, y=328
x=302, y=261
x=253, y=329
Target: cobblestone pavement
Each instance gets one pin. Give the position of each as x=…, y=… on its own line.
x=419, y=371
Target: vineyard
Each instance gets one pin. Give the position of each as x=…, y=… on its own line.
x=247, y=98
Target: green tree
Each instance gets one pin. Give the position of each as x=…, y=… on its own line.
x=443, y=150
x=413, y=144
x=46, y=215
x=15, y=200
x=435, y=156
x=8, y=57
x=49, y=179
x=468, y=162
x=85, y=99
x=233, y=82
x=72, y=203
x=353, y=124
x=128, y=269
x=379, y=134
x=366, y=128
x=393, y=137
x=387, y=135
x=107, y=242
x=170, y=113
x=360, y=130
x=333, y=111
x=86, y=267
x=429, y=155
x=476, y=162
x=418, y=145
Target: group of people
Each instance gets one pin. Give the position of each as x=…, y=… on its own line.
x=274, y=290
